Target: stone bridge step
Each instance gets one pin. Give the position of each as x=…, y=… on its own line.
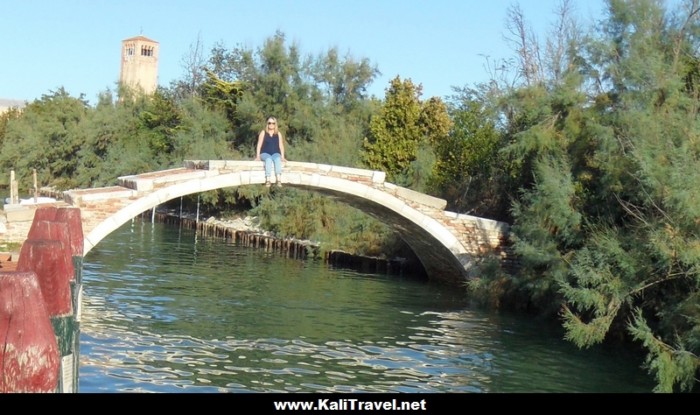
x=148, y=181
x=78, y=197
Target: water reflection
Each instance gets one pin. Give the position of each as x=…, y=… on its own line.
x=165, y=314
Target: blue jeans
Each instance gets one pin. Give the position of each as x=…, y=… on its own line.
x=269, y=160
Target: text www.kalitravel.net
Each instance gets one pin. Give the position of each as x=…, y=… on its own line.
x=350, y=404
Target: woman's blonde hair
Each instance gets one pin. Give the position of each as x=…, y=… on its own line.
x=272, y=119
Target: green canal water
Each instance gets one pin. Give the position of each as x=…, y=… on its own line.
x=167, y=311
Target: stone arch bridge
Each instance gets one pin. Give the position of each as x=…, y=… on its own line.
x=448, y=244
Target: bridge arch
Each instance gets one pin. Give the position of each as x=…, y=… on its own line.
x=419, y=219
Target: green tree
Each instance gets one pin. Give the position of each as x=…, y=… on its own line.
x=394, y=134
x=106, y=125
x=12, y=113
x=468, y=171
x=345, y=81
x=160, y=120
x=222, y=95
x=46, y=137
x=319, y=100
x=403, y=124
x=274, y=81
x=606, y=219
x=641, y=267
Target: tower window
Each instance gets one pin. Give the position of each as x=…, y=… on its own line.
x=146, y=50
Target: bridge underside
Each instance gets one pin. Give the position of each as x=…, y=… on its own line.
x=438, y=261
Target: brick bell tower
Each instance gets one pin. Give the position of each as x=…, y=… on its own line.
x=139, y=64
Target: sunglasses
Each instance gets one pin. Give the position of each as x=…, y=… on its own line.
x=271, y=123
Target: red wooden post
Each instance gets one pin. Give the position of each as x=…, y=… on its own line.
x=53, y=250
x=52, y=230
x=72, y=217
x=29, y=360
x=45, y=213
x=54, y=270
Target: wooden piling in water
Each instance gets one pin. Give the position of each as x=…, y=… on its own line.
x=45, y=322
x=291, y=248
x=29, y=358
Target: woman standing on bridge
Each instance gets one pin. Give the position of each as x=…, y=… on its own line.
x=270, y=150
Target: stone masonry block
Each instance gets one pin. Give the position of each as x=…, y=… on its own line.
x=294, y=165
x=488, y=224
x=215, y=164
x=243, y=165
x=421, y=198
x=351, y=171
x=18, y=213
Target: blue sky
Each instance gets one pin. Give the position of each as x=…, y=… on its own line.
x=75, y=44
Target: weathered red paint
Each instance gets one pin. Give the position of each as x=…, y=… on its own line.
x=54, y=269
x=72, y=217
x=48, y=230
x=45, y=213
x=29, y=356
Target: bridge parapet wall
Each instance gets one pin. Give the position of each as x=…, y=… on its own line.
x=348, y=173
x=420, y=201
